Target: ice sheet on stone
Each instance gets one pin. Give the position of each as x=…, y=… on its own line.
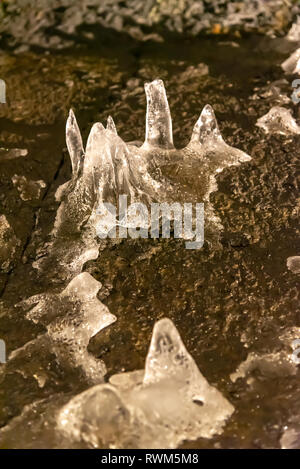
x=269, y=364
x=293, y=264
x=29, y=190
x=292, y=64
x=161, y=407
x=290, y=438
x=71, y=318
x=9, y=244
x=278, y=120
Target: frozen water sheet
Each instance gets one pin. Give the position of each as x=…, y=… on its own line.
x=160, y=407
x=71, y=317
x=278, y=120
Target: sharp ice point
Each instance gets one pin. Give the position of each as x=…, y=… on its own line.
x=206, y=128
x=111, y=125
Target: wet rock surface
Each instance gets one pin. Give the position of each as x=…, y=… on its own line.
x=231, y=302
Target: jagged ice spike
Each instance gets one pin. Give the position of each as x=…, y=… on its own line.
x=111, y=125
x=74, y=143
x=206, y=128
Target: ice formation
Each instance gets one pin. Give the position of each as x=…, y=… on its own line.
x=293, y=264
x=159, y=407
x=292, y=64
x=110, y=167
x=71, y=318
x=278, y=120
x=153, y=172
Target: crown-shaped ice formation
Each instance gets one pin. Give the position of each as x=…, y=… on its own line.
x=278, y=120
x=71, y=317
x=167, y=403
x=292, y=64
x=153, y=172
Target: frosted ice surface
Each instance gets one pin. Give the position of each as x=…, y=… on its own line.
x=292, y=64
x=294, y=33
x=29, y=190
x=71, y=317
x=293, y=264
x=166, y=404
x=278, y=120
x=8, y=244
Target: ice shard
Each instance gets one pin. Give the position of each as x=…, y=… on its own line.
x=74, y=144
x=292, y=64
x=161, y=407
x=110, y=125
x=71, y=318
x=158, y=117
x=278, y=120
x=208, y=143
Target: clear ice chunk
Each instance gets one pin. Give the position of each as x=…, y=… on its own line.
x=292, y=64
x=278, y=120
x=71, y=318
x=293, y=264
x=160, y=407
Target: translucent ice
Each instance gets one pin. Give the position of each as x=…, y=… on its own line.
x=293, y=264
x=153, y=172
x=167, y=403
x=292, y=64
x=71, y=317
x=278, y=120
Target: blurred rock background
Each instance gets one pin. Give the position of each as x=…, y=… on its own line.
x=56, y=23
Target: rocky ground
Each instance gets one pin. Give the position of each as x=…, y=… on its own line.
x=228, y=302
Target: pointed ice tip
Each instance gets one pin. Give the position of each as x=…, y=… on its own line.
x=110, y=125
x=206, y=128
x=74, y=143
x=158, y=117
x=167, y=354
